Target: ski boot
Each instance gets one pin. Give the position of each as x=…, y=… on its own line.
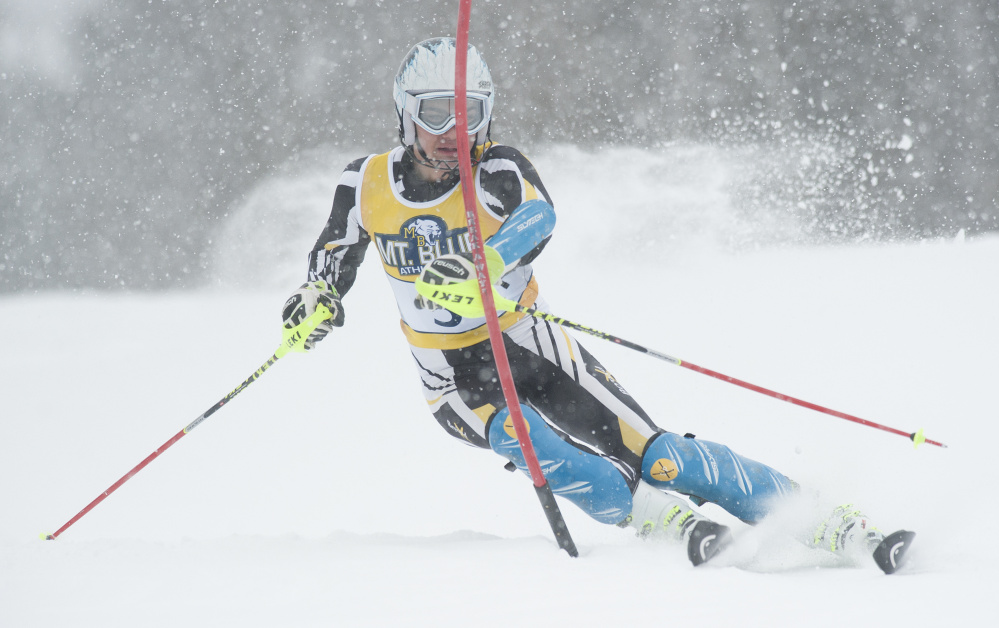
x=848, y=532
x=657, y=515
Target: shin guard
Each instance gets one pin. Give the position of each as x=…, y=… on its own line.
x=589, y=481
x=710, y=472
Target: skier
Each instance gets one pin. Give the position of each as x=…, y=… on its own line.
x=601, y=450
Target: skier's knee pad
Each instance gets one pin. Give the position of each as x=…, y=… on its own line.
x=711, y=472
x=589, y=481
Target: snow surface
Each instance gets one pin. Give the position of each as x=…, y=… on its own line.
x=326, y=495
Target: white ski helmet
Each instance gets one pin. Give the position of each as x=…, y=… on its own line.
x=427, y=73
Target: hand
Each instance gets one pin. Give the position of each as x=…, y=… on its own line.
x=303, y=303
x=445, y=270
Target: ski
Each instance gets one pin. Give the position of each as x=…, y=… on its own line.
x=890, y=553
x=707, y=540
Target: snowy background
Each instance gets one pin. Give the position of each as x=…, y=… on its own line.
x=133, y=131
x=326, y=495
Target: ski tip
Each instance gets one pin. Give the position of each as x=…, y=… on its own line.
x=890, y=554
x=707, y=540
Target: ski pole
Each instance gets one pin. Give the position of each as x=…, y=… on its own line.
x=460, y=299
x=916, y=437
x=483, y=289
x=293, y=340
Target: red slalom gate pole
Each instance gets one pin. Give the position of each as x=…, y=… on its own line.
x=541, y=487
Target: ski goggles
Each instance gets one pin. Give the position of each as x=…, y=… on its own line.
x=435, y=112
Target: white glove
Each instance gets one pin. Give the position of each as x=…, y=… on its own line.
x=302, y=304
x=445, y=270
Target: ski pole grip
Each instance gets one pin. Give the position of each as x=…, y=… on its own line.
x=294, y=338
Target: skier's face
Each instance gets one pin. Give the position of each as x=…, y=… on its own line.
x=439, y=148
